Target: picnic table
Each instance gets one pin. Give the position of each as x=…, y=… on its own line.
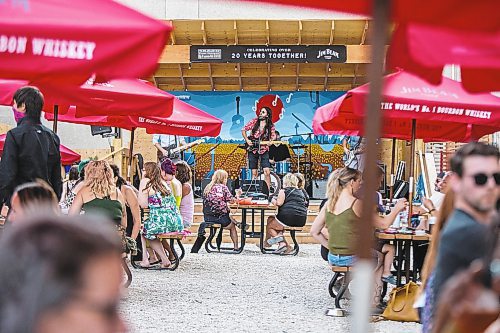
x=254, y=210
x=404, y=243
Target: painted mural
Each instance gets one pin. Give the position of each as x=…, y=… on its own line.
x=292, y=113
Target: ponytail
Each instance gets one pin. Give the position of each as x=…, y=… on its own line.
x=337, y=181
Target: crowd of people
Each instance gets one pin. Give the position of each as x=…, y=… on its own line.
x=71, y=259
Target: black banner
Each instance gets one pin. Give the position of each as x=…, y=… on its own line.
x=272, y=54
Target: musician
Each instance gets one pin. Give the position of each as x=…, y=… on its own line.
x=261, y=129
x=165, y=142
x=280, y=152
x=354, y=152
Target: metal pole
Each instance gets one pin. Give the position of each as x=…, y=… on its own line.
x=130, y=153
x=56, y=113
x=393, y=161
x=363, y=272
x=412, y=168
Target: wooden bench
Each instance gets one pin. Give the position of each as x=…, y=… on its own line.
x=172, y=238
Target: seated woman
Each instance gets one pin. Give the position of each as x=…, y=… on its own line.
x=292, y=211
x=164, y=216
x=168, y=170
x=216, y=197
x=132, y=209
x=341, y=215
x=183, y=174
x=101, y=196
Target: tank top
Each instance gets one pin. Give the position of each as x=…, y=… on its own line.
x=187, y=208
x=295, y=202
x=106, y=206
x=343, y=231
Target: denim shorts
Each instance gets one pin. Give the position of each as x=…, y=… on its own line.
x=253, y=160
x=336, y=260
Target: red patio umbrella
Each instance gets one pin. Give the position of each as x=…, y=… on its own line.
x=414, y=109
x=68, y=156
x=65, y=41
x=449, y=112
x=464, y=15
x=116, y=97
x=431, y=34
x=186, y=120
x=425, y=50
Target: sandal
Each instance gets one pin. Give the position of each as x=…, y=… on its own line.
x=280, y=250
x=140, y=266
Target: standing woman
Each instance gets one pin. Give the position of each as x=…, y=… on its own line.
x=101, y=196
x=70, y=184
x=183, y=174
x=164, y=216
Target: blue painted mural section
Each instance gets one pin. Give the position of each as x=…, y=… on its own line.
x=298, y=111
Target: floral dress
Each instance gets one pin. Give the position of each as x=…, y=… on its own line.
x=164, y=216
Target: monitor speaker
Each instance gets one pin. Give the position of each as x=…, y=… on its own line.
x=100, y=130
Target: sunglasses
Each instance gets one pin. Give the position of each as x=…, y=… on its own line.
x=481, y=178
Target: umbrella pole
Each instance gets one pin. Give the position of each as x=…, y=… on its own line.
x=393, y=161
x=412, y=167
x=56, y=114
x=364, y=268
x=130, y=153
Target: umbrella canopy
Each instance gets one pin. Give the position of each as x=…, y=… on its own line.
x=464, y=15
x=442, y=113
x=432, y=34
x=68, y=156
x=425, y=50
x=186, y=120
x=65, y=41
x=116, y=97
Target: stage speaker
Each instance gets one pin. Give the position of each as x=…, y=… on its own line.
x=319, y=189
x=100, y=130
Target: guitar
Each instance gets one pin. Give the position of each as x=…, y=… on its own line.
x=256, y=143
x=173, y=152
x=237, y=120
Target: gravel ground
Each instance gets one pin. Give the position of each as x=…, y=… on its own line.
x=250, y=292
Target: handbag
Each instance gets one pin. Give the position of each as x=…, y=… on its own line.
x=400, y=305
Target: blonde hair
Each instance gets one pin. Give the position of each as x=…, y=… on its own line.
x=302, y=180
x=99, y=178
x=219, y=177
x=337, y=181
x=290, y=180
x=153, y=173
